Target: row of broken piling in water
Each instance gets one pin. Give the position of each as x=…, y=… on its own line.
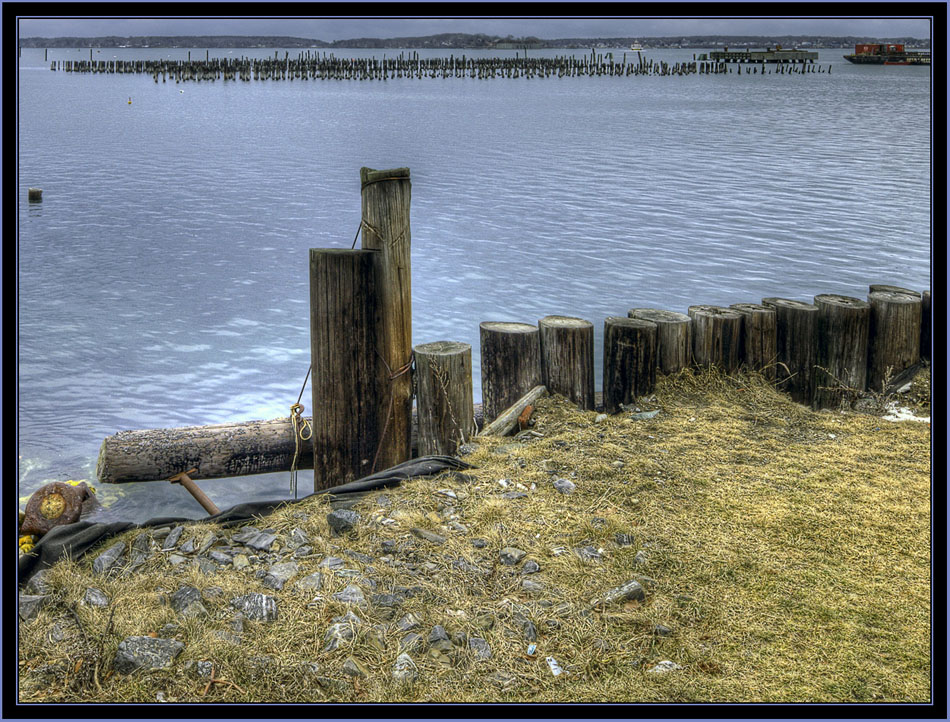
x=329, y=67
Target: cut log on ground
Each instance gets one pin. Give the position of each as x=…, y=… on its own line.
x=758, y=337
x=510, y=363
x=673, y=337
x=508, y=419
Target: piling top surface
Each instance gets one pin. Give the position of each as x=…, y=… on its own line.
x=508, y=326
x=789, y=303
x=628, y=322
x=658, y=315
x=877, y=287
x=368, y=175
x=564, y=322
x=833, y=299
x=892, y=297
x=751, y=308
x=443, y=348
x=709, y=310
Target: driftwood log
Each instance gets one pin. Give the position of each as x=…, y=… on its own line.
x=510, y=363
x=567, y=358
x=629, y=361
x=346, y=428
x=508, y=419
x=717, y=337
x=385, y=197
x=842, y=348
x=758, y=337
x=893, y=336
x=795, y=329
x=444, y=396
x=673, y=339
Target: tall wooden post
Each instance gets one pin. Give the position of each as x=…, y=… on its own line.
x=673, y=340
x=717, y=335
x=893, y=336
x=385, y=198
x=510, y=364
x=629, y=360
x=567, y=358
x=347, y=423
x=842, y=348
x=795, y=329
x=758, y=337
x=445, y=408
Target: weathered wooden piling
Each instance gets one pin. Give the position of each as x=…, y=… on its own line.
x=629, y=361
x=444, y=396
x=34, y=195
x=795, y=334
x=385, y=198
x=716, y=337
x=925, y=325
x=758, y=337
x=893, y=335
x=876, y=287
x=567, y=358
x=673, y=337
x=347, y=406
x=510, y=364
x=841, y=355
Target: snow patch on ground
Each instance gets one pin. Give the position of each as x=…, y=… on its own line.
x=895, y=412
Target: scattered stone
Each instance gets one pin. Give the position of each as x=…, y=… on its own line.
x=412, y=642
x=240, y=561
x=206, y=566
x=188, y=547
x=588, y=554
x=428, y=535
x=565, y=486
x=447, y=493
x=479, y=543
x=640, y=559
x=528, y=630
x=408, y=622
x=530, y=567
x=299, y=536
x=352, y=594
x=664, y=666
x=529, y=585
x=438, y=634
x=204, y=668
x=661, y=630
x=256, y=606
x=631, y=590
x=342, y=520
x=262, y=541
x=337, y=633
x=172, y=539
x=365, y=558
x=207, y=542
x=220, y=557
x=404, y=669
x=460, y=639
x=388, y=546
x=511, y=555
x=30, y=604
x=387, y=601
x=480, y=647
x=176, y=559
x=279, y=574
x=334, y=685
x=460, y=528
x=145, y=653
x=108, y=558
x=310, y=583
x=505, y=680
x=331, y=563
x=600, y=418
x=643, y=415
x=513, y=495
x=355, y=668
x=38, y=583
x=303, y=551
x=376, y=637
x=466, y=449
x=95, y=598
x=624, y=540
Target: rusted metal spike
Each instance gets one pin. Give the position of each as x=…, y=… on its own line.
x=192, y=487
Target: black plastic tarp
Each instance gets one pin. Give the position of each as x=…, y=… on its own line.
x=74, y=540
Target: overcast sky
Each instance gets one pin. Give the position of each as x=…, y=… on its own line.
x=330, y=29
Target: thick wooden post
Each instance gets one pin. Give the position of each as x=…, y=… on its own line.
x=444, y=398
x=893, y=336
x=347, y=424
x=795, y=329
x=717, y=337
x=841, y=356
x=877, y=287
x=758, y=337
x=385, y=198
x=673, y=337
x=629, y=360
x=567, y=358
x=925, y=325
x=511, y=364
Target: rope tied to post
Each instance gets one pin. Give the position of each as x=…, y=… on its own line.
x=393, y=375
x=303, y=431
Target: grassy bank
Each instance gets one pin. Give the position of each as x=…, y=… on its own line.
x=785, y=556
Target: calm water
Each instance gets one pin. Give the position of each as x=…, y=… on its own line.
x=163, y=279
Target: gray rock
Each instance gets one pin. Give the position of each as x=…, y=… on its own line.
x=364, y=558
x=528, y=630
x=630, y=590
x=310, y=583
x=661, y=630
x=108, y=558
x=220, y=557
x=530, y=585
x=204, y=668
x=245, y=534
x=172, y=539
x=187, y=602
x=390, y=601
x=342, y=520
x=206, y=566
x=338, y=633
x=466, y=449
x=349, y=618
x=625, y=540
x=303, y=551
x=30, y=604
x=176, y=559
x=299, y=536
x=404, y=669
x=511, y=555
x=207, y=541
x=513, y=495
x=664, y=666
x=388, y=546
x=565, y=486
x=279, y=574
x=588, y=554
x=256, y=606
x=145, y=653
x=188, y=548
x=530, y=567
x=643, y=415
x=428, y=535
x=438, y=634
x=640, y=559
x=39, y=583
x=460, y=639
x=355, y=668
x=262, y=542
x=480, y=647
x=479, y=543
x=95, y=598
x=412, y=642
x=331, y=563
x=465, y=566
x=408, y=622
x=352, y=594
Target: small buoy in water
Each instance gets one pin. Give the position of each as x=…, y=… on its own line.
x=35, y=195
x=130, y=101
